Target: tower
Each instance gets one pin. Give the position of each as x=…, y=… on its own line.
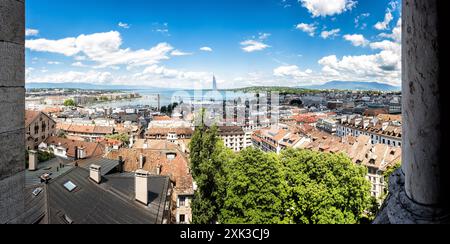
x=214, y=83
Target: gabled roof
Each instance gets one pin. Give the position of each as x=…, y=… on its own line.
x=92, y=149
x=177, y=169
x=31, y=116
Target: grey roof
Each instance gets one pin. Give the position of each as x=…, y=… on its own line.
x=107, y=164
x=35, y=207
x=108, y=203
x=123, y=184
x=52, y=167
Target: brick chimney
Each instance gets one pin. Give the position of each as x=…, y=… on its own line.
x=32, y=160
x=95, y=173
x=141, y=186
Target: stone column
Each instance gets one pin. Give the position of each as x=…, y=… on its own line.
x=12, y=109
x=419, y=192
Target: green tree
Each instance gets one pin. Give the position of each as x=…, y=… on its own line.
x=207, y=155
x=69, y=103
x=124, y=138
x=253, y=189
x=324, y=188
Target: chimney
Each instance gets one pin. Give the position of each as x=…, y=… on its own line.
x=95, y=173
x=131, y=141
x=121, y=164
x=141, y=161
x=141, y=186
x=158, y=170
x=81, y=153
x=32, y=160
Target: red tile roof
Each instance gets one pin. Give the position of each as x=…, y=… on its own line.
x=177, y=169
x=93, y=149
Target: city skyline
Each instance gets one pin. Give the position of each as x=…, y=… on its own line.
x=178, y=45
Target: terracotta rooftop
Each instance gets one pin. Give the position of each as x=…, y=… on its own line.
x=30, y=116
x=93, y=149
x=177, y=169
x=86, y=129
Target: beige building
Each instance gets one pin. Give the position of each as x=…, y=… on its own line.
x=38, y=127
x=234, y=137
x=376, y=157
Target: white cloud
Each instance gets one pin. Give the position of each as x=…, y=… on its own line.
x=384, y=66
x=72, y=76
x=392, y=6
x=80, y=58
x=323, y=8
x=310, y=29
x=357, y=40
x=206, y=49
x=103, y=48
x=253, y=46
x=330, y=33
x=124, y=25
x=167, y=77
x=179, y=53
x=53, y=62
x=396, y=34
x=78, y=64
x=383, y=25
x=31, y=32
x=291, y=71
x=386, y=45
x=66, y=46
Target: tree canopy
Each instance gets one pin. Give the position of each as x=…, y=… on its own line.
x=69, y=103
x=295, y=187
x=124, y=138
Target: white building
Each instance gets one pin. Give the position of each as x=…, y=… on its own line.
x=388, y=133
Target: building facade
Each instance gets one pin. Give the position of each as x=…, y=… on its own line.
x=38, y=127
x=380, y=132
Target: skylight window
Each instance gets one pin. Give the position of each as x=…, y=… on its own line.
x=70, y=186
x=37, y=191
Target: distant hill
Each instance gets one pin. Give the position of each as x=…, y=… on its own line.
x=86, y=86
x=354, y=85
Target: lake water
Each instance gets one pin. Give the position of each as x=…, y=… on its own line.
x=150, y=97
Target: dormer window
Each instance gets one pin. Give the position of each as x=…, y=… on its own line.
x=171, y=156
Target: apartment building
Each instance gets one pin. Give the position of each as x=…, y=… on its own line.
x=388, y=132
x=38, y=127
x=234, y=137
x=275, y=139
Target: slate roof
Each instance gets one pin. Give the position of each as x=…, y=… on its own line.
x=90, y=203
x=111, y=202
x=107, y=165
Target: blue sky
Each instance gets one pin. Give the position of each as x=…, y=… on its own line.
x=180, y=43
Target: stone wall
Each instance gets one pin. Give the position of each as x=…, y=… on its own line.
x=12, y=108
